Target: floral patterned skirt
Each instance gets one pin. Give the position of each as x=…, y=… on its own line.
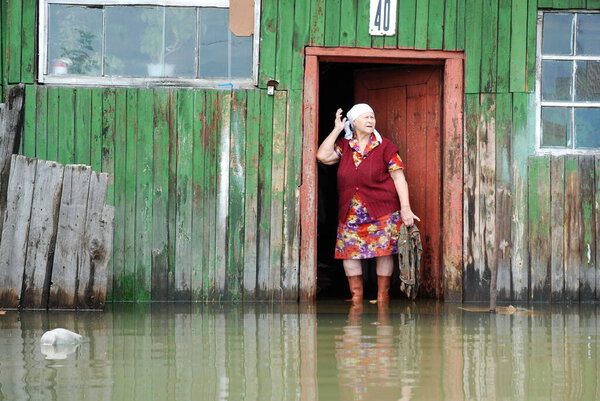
x=359, y=237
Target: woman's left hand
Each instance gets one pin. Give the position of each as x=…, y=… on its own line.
x=408, y=217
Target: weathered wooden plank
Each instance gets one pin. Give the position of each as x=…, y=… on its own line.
x=573, y=228
x=13, y=248
x=265, y=194
x=119, y=144
x=587, y=272
x=317, y=26
x=391, y=42
x=172, y=191
x=222, y=195
x=41, y=122
x=301, y=37
x=521, y=150
x=291, y=220
x=489, y=45
x=363, y=38
x=96, y=129
x=460, y=24
x=42, y=234
x=69, y=237
x=96, y=246
x=28, y=136
x=597, y=218
x=13, y=40
x=277, y=190
x=251, y=195
x=332, y=22
x=421, y=23
x=435, y=25
x=473, y=22
x=285, y=32
x=107, y=138
x=348, y=14
x=185, y=160
x=144, y=195
x=450, y=25
x=66, y=126
x=28, y=32
x=83, y=125
x=539, y=228
x=406, y=23
x=531, y=61
x=128, y=276
x=503, y=46
x=53, y=116
x=503, y=194
x=518, y=47
x=268, y=40
x=198, y=196
x=557, y=230
x=160, y=197
x=235, y=238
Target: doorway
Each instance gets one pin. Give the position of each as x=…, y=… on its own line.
x=417, y=99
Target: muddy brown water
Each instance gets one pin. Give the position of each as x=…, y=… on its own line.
x=324, y=351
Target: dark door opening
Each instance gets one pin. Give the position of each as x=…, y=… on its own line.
x=407, y=104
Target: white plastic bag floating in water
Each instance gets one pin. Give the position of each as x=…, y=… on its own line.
x=58, y=351
x=60, y=336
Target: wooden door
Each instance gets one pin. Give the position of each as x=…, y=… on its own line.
x=407, y=102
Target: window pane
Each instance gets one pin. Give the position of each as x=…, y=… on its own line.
x=556, y=80
x=130, y=40
x=587, y=127
x=587, y=81
x=241, y=56
x=180, y=41
x=74, y=40
x=214, y=33
x=588, y=34
x=557, y=34
x=556, y=123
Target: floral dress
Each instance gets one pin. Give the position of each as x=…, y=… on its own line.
x=360, y=236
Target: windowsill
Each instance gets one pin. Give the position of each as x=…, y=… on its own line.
x=566, y=152
x=154, y=82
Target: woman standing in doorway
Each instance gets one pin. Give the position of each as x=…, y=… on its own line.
x=373, y=197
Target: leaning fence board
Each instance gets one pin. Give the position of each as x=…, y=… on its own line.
x=13, y=248
x=42, y=234
x=69, y=237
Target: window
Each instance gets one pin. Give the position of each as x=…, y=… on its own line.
x=569, y=82
x=125, y=42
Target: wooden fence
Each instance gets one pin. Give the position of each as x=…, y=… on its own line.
x=57, y=236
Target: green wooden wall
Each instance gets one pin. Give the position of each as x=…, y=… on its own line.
x=206, y=182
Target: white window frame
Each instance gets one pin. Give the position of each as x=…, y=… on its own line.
x=217, y=83
x=538, y=89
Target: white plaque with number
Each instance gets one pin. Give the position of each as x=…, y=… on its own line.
x=383, y=17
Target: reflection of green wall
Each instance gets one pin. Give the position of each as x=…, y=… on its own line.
x=144, y=137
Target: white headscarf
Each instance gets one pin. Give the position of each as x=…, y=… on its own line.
x=352, y=114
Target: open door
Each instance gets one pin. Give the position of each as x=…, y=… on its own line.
x=408, y=107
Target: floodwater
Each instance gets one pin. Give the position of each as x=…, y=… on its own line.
x=324, y=351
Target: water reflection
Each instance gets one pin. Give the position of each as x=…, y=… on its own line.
x=328, y=351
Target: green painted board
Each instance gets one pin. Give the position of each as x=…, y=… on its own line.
x=83, y=125
x=107, y=140
x=557, y=227
x=29, y=138
x=268, y=42
x=435, y=27
x=573, y=229
x=52, y=124
x=13, y=40
x=518, y=47
x=172, y=191
x=473, y=21
x=363, y=38
x=184, y=196
x=130, y=285
x=301, y=37
x=460, y=24
x=3, y=75
x=503, y=44
x=96, y=130
x=198, y=196
x=597, y=218
x=264, y=194
x=392, y=41
x=539, y=228
x=41, y=123
x=489, y=46
x=283, y=58
x=348, y=15
x=421, y=23
x=450, y=25
x=160, y=197
x=531, y=44
x=406, y=23
x=235, y=240
x=593, y=4
x=332, y=22
x=317, y=22
x=251, y=195
x=587, y=272
x=119, y=138
x=28, y=40
x=66, y=126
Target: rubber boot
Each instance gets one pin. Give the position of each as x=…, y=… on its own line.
x=383, y=288
x=356, y=288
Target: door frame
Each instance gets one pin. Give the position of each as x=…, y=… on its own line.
x=452, y=156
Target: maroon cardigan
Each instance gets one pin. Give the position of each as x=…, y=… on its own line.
x=371, y=178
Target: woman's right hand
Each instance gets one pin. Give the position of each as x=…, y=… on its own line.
x=339, y=122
